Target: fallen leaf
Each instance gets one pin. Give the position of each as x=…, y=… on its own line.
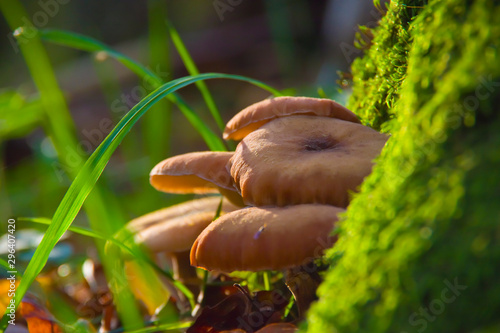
x=214, y=294
x=303, y=284
x=7, y=287
x=146, y=286
x=223, y=316
x=279, y=328
x=239, y=312
x=38, y=318
x=18, y=328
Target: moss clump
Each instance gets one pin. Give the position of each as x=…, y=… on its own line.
x=420, y=245
x=378, y=76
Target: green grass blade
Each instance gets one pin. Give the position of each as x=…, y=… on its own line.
x=158, y=121
x=88, y=44
x=75, y=229
x=13, y=104
x=160, y=327
x=58, y=123
x=89, y=233
x=193, y=70
x=211, y=139
x=60, y=128
x=135, y=251
x=85, y=43
x=93, y=168
x=6, y=265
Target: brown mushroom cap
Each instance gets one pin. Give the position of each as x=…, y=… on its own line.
x=199, y=172
x=258, y=114
x=304, y=159
x=260, y=238
x=174, y=229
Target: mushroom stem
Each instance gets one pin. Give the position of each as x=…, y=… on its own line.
x=182, y=270
x=303, y=281
x=233, y=197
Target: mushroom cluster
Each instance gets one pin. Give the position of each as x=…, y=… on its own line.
x=295, y=166
x=290, y=176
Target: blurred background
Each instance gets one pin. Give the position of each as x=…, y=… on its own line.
x=296, y=46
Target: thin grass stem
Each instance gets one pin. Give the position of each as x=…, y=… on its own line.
x=193, y=70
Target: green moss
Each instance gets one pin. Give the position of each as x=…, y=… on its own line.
x=428, y=217
x=378, y=76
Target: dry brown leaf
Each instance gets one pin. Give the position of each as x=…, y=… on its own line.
x=38, y=318
x=279, y=328
x=223, y=316
x=303, y=284
x=239, y=312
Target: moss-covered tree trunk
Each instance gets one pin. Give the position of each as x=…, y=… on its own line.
x=420, y=246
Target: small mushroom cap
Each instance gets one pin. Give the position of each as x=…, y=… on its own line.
x=198, y=172
x=304, y=159
x=261, y=238
x=174, y=229
x=258, y=114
